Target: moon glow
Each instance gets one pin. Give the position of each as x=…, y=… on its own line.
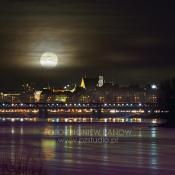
x=49, y=60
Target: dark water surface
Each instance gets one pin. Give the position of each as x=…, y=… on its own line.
x=139, y=149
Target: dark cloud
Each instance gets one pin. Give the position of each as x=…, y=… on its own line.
x=129, y=39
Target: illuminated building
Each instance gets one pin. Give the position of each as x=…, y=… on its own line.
x=61, y=96
x=82, y=83
x=100, y=81
x=37, y=96
x=91, y=90
x=12, y=97
x=46, y=95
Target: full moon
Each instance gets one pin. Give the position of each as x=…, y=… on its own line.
x=49, y=60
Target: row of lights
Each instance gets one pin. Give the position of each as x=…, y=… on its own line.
x=18, y=110
x=18, y=119
x=17, y=105
x=70, y=120
x=127, y=111
x=75, y=104
x=71, y=110
x=80, y=111
x=105, y=120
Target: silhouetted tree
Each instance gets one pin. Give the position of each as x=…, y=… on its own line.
x=167, y=99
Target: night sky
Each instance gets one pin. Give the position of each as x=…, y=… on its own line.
x=127, y=41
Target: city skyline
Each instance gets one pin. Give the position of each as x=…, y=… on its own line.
x=78, y=83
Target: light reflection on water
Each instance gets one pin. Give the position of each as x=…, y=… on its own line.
x=48, y=148
x=154, y=132
x=153, y=157
x=145, y=151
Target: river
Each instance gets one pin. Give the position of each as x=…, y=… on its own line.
x=134, y=149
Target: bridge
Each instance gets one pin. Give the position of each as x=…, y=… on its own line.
x=78, y=105
x=94, y=108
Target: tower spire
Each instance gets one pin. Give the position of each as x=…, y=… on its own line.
x=85, y=75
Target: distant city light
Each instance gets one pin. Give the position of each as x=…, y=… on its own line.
x=154, y=86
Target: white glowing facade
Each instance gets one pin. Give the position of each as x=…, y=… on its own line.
x=100, y=81
x=154, y=86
